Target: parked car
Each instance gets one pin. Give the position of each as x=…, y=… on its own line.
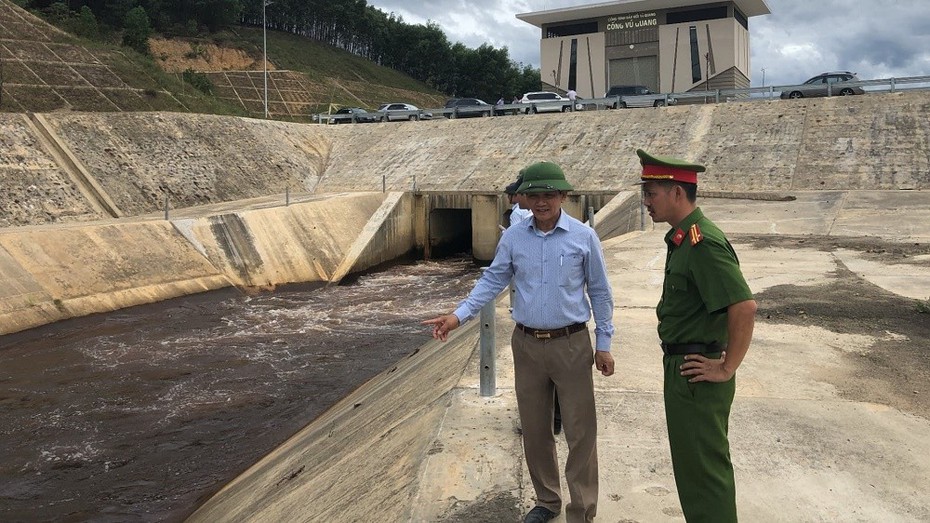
x=345, y=115
x=636, y=96
x=402, y=111
x=825, y=84
x=467, y=107
x=585, y=105
x=545, y=102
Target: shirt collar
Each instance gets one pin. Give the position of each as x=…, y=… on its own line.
x=685, y=224
x=561, y=223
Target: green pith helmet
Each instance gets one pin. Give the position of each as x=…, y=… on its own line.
x=543, y=177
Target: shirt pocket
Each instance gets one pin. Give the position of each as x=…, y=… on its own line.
x=675, y=299
x=571, y=270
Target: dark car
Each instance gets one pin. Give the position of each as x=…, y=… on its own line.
x=636, y=96
x=353, y=114
x=825, y=84
x=467, y=107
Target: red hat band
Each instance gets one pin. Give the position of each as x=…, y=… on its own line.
x=661, y=172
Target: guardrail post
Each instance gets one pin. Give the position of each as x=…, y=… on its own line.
x=591, y=216
x=717, y=96
x=287, y=196
x=383, y=183
x=488, y=371
x=166, y=206
x=414, y=183
x=892, y=84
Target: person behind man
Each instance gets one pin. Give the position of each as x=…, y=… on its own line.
x=706, y=316
x=554, y=260
x=518, y=208
x=572, y=95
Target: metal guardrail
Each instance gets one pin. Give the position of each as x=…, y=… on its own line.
x=587, y=104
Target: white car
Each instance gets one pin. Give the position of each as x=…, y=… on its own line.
x=545, y=102
x=402, y=111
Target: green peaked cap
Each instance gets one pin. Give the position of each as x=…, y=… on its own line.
x=667, y=161
x=543, y=177
x=659, y=168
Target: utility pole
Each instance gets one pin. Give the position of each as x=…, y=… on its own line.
x=707, y=71
x=265, y=4
x=706, y=74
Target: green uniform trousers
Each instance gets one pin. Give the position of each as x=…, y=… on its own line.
x=697, y=416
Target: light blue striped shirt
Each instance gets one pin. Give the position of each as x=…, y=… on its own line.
x=550, y=272
x=518, y=214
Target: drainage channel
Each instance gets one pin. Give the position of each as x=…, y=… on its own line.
x=142, y=414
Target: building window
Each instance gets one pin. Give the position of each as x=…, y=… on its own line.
x=741, y=18
x=696, y=15
x=695, y=56
x=571, y=29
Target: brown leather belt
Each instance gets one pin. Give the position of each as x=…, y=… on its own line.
x=544, y=334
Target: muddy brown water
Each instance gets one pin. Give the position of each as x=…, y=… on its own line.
x=142, y=414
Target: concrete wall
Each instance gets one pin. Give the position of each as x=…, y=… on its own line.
x=361, y=460
x=52, y=273
x=878, y=141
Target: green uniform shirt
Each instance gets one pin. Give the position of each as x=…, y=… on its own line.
x=702, y=279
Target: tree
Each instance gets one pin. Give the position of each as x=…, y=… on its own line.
x=136, y=30
x=85, y=24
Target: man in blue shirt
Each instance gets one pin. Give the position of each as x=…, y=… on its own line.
x=554, y=260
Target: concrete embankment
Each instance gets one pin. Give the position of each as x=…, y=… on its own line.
x=49, y=273
x=878, y=141
x=362, y=459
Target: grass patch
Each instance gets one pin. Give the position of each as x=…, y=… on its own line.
x=923, y=307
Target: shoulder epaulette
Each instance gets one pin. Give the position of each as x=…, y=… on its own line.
x=696, y=235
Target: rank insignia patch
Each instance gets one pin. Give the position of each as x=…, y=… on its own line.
x=695, y=233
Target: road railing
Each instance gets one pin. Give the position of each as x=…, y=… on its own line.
x=770, y=92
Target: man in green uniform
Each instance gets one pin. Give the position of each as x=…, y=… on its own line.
x=706, y=315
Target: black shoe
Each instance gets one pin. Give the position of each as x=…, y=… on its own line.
x=539, y=515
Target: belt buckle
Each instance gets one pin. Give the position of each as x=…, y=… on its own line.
x=542, y=335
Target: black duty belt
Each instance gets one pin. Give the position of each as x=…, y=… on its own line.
x=689, y=348
x=546, y=334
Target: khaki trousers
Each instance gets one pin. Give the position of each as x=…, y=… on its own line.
x=564, y=365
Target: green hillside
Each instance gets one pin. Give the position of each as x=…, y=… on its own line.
x=44, y=69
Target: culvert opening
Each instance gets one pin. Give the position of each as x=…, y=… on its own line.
x=450, y=232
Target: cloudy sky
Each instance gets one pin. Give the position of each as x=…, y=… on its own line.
x=801, y=38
